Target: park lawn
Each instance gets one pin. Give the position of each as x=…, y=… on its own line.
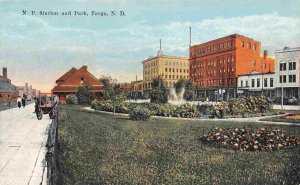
x=96, y=148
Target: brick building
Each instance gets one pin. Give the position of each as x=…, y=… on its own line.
x=7, y=89
x=74, y=78
x=215, y=65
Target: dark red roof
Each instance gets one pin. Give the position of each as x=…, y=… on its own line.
x=71, y=80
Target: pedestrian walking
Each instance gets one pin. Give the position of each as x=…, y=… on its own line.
x=8, y=100
x=19, y=101
x=23, y=102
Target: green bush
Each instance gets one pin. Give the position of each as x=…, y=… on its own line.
x=140, y=113
x=84, y=95
x=71, y=99
x=242, y=107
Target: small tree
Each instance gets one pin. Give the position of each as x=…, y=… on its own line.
x=189, y=88
x=84, y=95
x=158, y=93
x=112, y=91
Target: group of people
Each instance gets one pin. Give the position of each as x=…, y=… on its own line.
x=21, y=102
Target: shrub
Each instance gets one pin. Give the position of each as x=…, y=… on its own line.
x=140, y=113
x=242, y=107
x=71, y=99
x=83, y=95
x=62, y=116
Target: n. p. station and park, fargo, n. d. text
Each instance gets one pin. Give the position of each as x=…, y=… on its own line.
x=74, y=13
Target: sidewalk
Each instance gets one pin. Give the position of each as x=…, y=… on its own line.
x=22, y=146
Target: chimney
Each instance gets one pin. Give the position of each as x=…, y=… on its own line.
x=265, y=53
x=5, y=73
x=84, y=67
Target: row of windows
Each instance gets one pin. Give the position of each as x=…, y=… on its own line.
x=170, y=63
x=177, y=63
x=292, y=66
x=282, y=78
x=151, y=64
x=258, y=83
x=215, y=82
x=212, y=73
x=150, y=71
x=177, y=70
x=214, y=47
x=248, y=45
x=214, y=62
x=177, y=76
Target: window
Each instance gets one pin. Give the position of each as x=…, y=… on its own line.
x=248, y=45
x=253, y=63
x=184, y=70
x=254, y=47
x=187, y=70
x=242, y=83
x=265, y=82
x=292, y=78
x=271, y=82
x=220, y=46
x=170, y=76
x=173, y=70
x=246, y=83
x=282, y=67
x=243, y=44
x=173, y=76
x=258, y=82
x=292, y=66
x=282, y=79
x=228, y=44
x=166, y=69
x=253, y=83
x=169, y=69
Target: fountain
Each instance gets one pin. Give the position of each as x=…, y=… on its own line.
x=176, y=98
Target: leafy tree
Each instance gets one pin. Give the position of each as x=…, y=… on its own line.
x=112, y=91
x=189, y=88
x=158, y=93
x=84, y=95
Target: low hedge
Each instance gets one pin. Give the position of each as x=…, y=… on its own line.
x=140, y=113
x=241, y=107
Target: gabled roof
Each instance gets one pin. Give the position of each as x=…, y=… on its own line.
x=71, y=80
x=67, y=74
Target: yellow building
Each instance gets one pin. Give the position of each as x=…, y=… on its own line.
x=170, y=68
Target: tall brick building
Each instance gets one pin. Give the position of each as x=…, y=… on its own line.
x=215, y=65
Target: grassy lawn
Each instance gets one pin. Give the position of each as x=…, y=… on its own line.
x=104, y=149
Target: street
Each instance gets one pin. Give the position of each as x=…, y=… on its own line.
x=22, y=146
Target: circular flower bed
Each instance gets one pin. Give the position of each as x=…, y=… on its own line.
x=246, y=139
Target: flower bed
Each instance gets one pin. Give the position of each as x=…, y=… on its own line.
x=246, y=139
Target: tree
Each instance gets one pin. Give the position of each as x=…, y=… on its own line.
x=83, y=94
x=158, y=93
x=189, y=87
x=112, y=91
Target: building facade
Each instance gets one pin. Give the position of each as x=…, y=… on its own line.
x=288, y=72
x=7, y=89
x=73, y=79
x=215, y=65
x=169, y=68
x=256, y=83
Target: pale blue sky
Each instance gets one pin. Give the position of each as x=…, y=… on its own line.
x=39, y=49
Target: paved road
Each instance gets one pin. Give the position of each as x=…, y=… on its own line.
x=22, y=146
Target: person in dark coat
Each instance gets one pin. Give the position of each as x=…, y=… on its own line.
x=23, y=102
